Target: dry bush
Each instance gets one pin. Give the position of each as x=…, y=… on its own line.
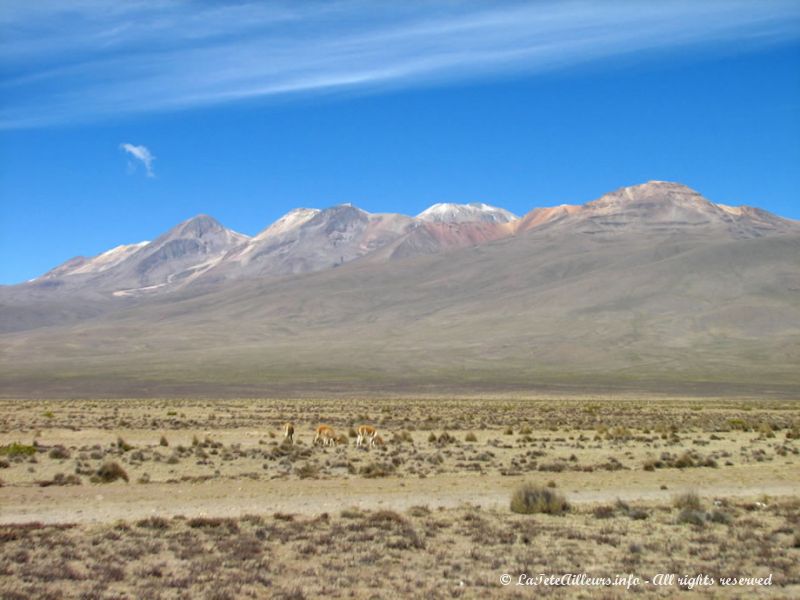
x=307, y=471
x=59, y=452
x=374, y=470
x=400, y=437
x=529, y=499
x=213, y=523
x=61, y=479
x=123, y=445
x=604, y=512
x=158, y=523
x=109, y=472
x=692, y=516
x=689, y=500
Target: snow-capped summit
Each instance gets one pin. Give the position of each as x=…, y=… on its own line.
x=444, y=212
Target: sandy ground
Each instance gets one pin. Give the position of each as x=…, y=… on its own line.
x=217, y=506
x=121, y=501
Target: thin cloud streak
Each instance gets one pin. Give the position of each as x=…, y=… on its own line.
x=106, y=58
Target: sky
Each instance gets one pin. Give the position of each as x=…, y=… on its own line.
x=120, y=120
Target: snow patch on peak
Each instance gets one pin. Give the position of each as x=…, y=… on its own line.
x=731, y=210
x=291, y=220
x=109, y=258
x=445, y=212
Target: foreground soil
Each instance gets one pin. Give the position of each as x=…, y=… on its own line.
x=207, y=500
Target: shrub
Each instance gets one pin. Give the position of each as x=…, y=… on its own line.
x=692, y=517
x=153, y=523
x=163, y=441
x=212, y=523
x=123, y=445
x=385, y=516
x=374, y=470
x=402, y=437
x=307, y=471
x=445, y=438
x=419, y=511
x=689, y=500
x=684, y=460
x=109, y=472
x=61, y=479
x=17, y=449
x=529, y=499
x=470, y=437
x=720, y=516
x=604, y=512
x=59, y=452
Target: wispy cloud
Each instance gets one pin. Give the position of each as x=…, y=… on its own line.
x=89, y=59
x=142, y=154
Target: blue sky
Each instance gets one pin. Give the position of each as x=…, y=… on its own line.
x=119, y=120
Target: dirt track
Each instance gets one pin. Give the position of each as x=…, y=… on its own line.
x=120, y=501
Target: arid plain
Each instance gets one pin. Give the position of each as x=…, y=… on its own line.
x=187, y=498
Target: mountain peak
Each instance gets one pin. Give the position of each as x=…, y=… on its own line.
x=657, y=206
x=291, y=220
x=445, y=212
x=197, y=226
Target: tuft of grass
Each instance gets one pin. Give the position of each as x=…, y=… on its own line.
x=530, y=499
x=470, y=437
x=689, y=500
x=61, y=479
x=213, y=523
x=307, y=470
x=692, y=516
x=17, y=449
x=402, y=437
x=720, y=516
x=123, y=445
x=375, y=470
x=604, y=512
x=109, y=472
x=159, y=523
x=59, y=452
x=351, y=513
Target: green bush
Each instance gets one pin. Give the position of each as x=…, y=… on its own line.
x=17, y=449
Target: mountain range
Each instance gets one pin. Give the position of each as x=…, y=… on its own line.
x=648, y=286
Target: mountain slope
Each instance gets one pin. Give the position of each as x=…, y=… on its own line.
x=657, y=206
x=657, y=313
x=307, y=240
x=651, y=286
x=174, y=257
